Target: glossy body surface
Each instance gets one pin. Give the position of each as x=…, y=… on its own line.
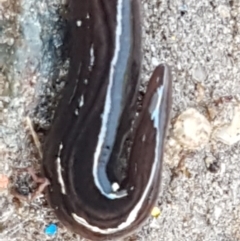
x=94, y=131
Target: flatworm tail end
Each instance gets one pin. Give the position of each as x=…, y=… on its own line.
x=145, y=168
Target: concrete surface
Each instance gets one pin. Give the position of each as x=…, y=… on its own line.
x=200, y=40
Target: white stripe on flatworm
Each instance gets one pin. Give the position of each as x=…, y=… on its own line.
x=76, y=112
x=154, y=109
x=79, y=23
x=107, y=108
x=59, y=171
x=81, y=102
x=92, y=57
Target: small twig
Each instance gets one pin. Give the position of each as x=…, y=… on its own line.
x=34, y=135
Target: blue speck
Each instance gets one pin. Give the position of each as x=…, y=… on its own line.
x=51, y=229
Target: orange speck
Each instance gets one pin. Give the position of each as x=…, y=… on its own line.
x=4, y=180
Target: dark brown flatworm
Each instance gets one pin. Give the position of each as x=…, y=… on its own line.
x=94, y=121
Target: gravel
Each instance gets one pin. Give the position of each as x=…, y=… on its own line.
x=200, y=41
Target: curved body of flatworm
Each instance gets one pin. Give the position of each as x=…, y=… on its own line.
x=90, y=135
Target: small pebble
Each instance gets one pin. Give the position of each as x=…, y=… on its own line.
x=155, y=212
x=229, y=134
x=200, y=92
x=199, y=73
x=224, y=11
x=155, y=62
x=211, y=164
x=192, y=130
